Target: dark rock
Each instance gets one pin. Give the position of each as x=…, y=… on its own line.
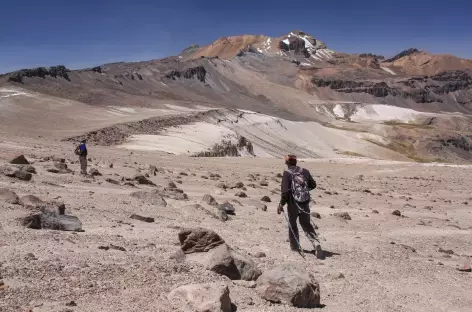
x=221, y=185
x=343, y=215
x=109, y=180
x=201, y=298
x=315, y=215
x=198, y=240
x=94, y=172
x=397, y=213
x=207, y=198
x=238, y=185
x=171, y=185
x=141, y=218
x=266, y=199
x=20, y=160
x=52, y=221
x=141, y=179
x=465, y=268
x=260, y=254
x=15, y=172
x=290, y=285
x=117, y=247
x=264, y=183
x=71, y=304
x=375, y=211
x=448, y=251
x=8, y=196
x=27, y=168
x=198, y=72
x=227, y=207
x=241, y=194
x=233, y=265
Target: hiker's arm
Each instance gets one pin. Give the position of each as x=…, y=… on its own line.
x=311, y=182
x=285, y=189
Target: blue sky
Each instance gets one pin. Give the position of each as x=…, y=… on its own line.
x=84, y=33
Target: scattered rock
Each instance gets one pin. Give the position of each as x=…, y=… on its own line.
x=71, y=304
x=238, y=185
x=343, y=215
x=291, y=285
x=27, y=168
x=204, y=177
x=266, y=199
x=252, y=185
x=241, y=194
x=141, y=218
x=111, y=166
x=264, y=183
x=141, y=179
x=94, y=172
x=19, y=160
x=117, y=247
x=375, y=211
x=201, y=298
x=233, y=265
x=198, y=240
x=207, y=198
x=246, y=267
x=465, y=268
x=221, y=185
x=153, y=197
x=260, y=254
x=332, y=206
x=397, y=213
x=112, y=181
x=261, y=206
x=446, y=251
x=52, y=221
x=171, y=185
x=15, y=172
x=315, y=215
x=227, y=207
x=8, y=196
x=30, y=256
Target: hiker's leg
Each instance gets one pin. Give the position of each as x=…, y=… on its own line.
x=83, y=164
x=305, y=222
x=292, y=218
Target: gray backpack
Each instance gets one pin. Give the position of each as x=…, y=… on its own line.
x=300, y=190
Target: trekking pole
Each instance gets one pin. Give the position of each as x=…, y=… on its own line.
x=300, y=250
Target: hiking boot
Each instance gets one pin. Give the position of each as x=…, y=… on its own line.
x=319, y=252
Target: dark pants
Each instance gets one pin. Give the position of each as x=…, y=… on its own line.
x=303, y=214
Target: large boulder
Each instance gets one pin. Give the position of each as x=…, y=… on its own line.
x=198, y=240
x=15, y=172
x=291, y=285
x=20, y=160
x=8, y=196
x=201, y=298
x=153, y=197
x=231, y=264
x=53, y=221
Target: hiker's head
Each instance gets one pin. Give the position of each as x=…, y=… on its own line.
x=83, y=141
x=291, y=160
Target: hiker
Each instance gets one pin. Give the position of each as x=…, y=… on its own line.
x=296, y=186
x=81, y=150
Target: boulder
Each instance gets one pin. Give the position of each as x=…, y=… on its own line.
x=207, y=198
x=27, y=168
x=53, y=221
x=227, y=207
x=266, y=199
x=19, y=160
x=198, y=240
x=153, y=197
x=8, y=196
x=15, y=172
x=291, y=285
x=201, y=298
x=225, y=261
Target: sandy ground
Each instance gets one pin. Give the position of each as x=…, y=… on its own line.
x=389, y=263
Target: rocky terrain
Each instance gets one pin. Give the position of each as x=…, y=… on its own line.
x=154, y=232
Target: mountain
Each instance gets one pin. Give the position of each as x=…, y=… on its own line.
x=293, y=78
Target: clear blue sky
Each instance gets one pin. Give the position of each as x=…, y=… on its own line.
x=92, y=32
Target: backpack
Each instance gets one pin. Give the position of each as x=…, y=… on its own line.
x=300, y=190
x=77, y=151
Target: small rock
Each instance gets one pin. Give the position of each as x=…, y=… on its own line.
x=261, y=206
x=204, y=177
x=266, y=199
x=260, y=254
x=171, y=185
x=208, y=199
x=465, y=268
x=375, y=211
x=141, y=179
x=30, y=256
x=141, y=218
x=397, y=213
x=264, y=183
x=94, y=172
x=340, y=276
x=117, y=247
x=343, y=215
x=227, y=207
x=221, y=185
x=71, y=304
x=104, y=247
x=110, y=166
x=315, y=215
x=183, y=174
x=112, y=181
x=8, y=196
x=332, y=206
x=238, y=185
x=448, y=251
x=241, y=194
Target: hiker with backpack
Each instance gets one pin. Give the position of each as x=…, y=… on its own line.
x=81, y=151
x=296, y=186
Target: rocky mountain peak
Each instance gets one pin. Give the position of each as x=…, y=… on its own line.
x=403, y=54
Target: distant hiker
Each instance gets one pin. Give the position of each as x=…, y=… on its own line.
x=81, y=150
x=296, y=186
